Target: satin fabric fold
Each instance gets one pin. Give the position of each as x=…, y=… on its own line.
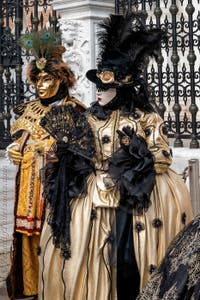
x=91, y=272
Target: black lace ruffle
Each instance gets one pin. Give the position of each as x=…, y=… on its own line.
x=66, y=179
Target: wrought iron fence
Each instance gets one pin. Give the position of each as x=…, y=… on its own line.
x=175, y=80
x=17, y=17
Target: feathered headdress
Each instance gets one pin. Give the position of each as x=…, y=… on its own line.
x=124, y=43
x=45, y=46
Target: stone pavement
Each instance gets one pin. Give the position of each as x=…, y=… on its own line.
x=3, y=295
x=7, y=175
x=7, y=184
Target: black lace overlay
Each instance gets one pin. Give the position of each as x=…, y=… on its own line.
x=66, y=178
x=132, y=169
x=178, y=276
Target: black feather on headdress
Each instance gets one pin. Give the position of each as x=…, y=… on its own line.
x=124, y=43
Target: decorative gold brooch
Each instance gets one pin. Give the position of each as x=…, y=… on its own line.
x=41, y=63
x=109, y=77
x=106, y=76
x=126, y=140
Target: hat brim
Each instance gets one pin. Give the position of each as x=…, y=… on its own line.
x=92, y=76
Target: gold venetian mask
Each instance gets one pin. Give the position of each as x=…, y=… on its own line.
x=47, y=85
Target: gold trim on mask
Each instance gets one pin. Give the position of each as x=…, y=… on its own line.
x=126, y=79
x=41, y=63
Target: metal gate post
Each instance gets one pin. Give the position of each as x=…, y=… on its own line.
x=194, y=185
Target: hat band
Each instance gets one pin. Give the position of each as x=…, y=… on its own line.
x=109, y=77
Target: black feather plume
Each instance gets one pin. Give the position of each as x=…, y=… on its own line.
x=125, y=42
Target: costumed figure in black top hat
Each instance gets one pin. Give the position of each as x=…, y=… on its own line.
x=114, y=204
x=52, y=78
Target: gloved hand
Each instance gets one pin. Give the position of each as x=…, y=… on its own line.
x=125, y=136
x=14, y=154
x=132, y=143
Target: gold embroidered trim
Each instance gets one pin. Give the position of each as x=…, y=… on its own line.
x=27, y=225
x=30, y=119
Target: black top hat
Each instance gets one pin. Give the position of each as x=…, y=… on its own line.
x=124, y=43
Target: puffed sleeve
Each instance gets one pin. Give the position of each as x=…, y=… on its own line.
x=157, y=141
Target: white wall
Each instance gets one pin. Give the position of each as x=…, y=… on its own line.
x=78, y=24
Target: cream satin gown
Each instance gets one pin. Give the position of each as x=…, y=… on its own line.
x=90, y=274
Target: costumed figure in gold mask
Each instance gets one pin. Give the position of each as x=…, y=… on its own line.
x=114, y=204
x=52, y=78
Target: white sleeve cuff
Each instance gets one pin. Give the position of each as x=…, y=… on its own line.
x=8, y=148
